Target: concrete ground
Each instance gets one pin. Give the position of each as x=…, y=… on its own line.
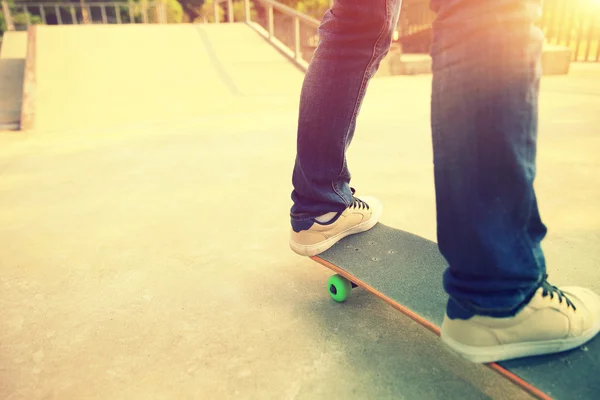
x=150, y=259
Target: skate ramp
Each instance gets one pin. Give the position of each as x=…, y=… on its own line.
x=99, y=76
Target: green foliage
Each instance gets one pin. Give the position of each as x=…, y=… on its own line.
x=314, y=8
x=174, y=11
x=208, y=13
x=18, y=18
x=3, y=27
x=290, y=3
x=192, y=9
x=239, y=14
x=21, y=19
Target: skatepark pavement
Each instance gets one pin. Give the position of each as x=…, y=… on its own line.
x=144, y=230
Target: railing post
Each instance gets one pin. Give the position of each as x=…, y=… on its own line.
x=131, y=15
x=156, y=13
x=230, y=11
x=42, y=14
x=579, y=37
x=270, y=21
x=216, y=11
x=118, y=14
x=85, y=12
x=593, y=26
x=7, y=17
x=73, y=15
x=589, y=41
x=103, y=12
x=561, y=22
x=145, y=11
x=58, y=15
x=247, y=11
x=297, y=55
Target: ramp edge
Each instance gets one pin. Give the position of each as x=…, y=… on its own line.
x=29, y=82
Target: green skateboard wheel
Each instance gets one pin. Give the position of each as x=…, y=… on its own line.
x=339, y=288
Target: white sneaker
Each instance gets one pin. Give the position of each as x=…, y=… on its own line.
x=553, y=321
x=315, y=237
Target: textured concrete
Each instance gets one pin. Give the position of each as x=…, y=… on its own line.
x=12, y=66
x=151, y=261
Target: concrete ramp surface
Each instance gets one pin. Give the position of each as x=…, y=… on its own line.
x=107, y=76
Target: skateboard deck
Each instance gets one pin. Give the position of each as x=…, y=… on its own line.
x=405, y=271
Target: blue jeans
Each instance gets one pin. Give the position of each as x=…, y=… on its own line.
x=486, y=70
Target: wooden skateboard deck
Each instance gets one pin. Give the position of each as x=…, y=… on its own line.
x=405, y=271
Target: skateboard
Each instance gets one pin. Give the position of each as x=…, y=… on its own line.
x=405, y=271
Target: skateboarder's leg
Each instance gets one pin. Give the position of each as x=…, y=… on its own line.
x=486, y=66
x=353, y=38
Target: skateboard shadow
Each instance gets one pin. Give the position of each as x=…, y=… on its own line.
x=377, y=352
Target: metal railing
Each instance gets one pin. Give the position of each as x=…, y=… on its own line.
x=291, y=32
x=20, y=16
x=570, y=23
x=229, y=9
x=575, y=24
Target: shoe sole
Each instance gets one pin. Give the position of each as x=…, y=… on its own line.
x=318, y=248
x=518, y=350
